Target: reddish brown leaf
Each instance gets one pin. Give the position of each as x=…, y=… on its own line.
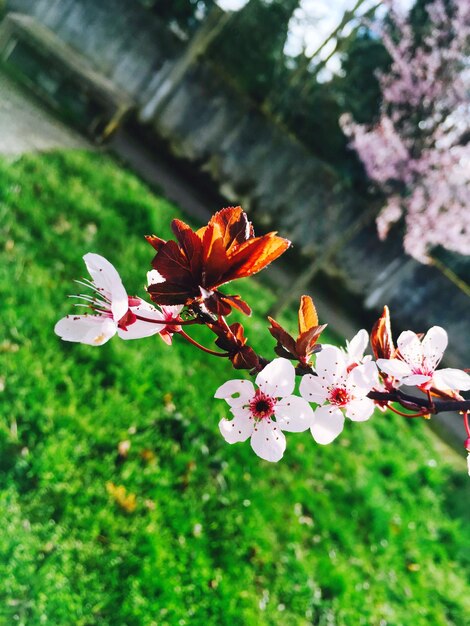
x=178, y=286
x=309, y=332
x=201, y=261
x=238, y=332
x=307, y=340
x=229, y=340
x=216, y=305
x=381, y=337
x=283, y=338
x=237, y=303
x=280, y=351
x=232, y=226
x=155, y=241
x=245, y=359
x=255, y=254
x=233, y=341
x=308, y=317
x=215, y=259
x=190, y=244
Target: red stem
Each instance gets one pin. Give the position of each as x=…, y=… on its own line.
x=167, y=322
x=392, y=408
x=222, y=322
x=203, y=348
x=466, y=424
x=431, y=401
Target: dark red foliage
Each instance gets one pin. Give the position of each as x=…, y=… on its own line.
x=232, y=340
x=306, y=344
x=200, y=261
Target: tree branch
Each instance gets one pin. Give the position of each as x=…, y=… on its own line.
x=438, y=406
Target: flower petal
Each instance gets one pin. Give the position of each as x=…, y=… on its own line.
x=360, y=409
x=312, y=389
x=394, y=367
x=268, y=441
x=356, y=347
x=154, y=277
x=94, y=330
x=327, y=424
x=362, y=379
x=239, y=428
x=277, y=379
x=170, y=311
x=293, y=414
x=236, y=392
x=139, y=328
x=106, y=278
x=415, y=379
x=331, y=365
x=434, y=345
x=450, y=378
x=410, y=348
x=145, y=309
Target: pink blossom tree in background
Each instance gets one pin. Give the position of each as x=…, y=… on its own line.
x=418, y=153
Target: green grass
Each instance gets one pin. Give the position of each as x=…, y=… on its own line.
x=369, y=530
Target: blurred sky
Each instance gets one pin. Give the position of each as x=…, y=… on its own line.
x=313, y=21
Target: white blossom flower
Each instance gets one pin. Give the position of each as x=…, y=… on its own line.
x=355, y=349
x=417, y=362
x=338, y=391
x=164, y=314
x=113, y=309
x=263, y=413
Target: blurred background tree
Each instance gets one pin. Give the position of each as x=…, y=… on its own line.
x=251, y=47
x=417, y=152
x=183, y=15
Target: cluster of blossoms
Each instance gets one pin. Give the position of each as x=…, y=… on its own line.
x=418, y=153
x=335, y=383
x=339, y=387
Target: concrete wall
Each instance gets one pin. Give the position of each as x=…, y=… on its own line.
x=115, y=35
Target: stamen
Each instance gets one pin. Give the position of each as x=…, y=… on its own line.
x=82, y=296
x=262, y=405
x=339, y=396
x=87, y=283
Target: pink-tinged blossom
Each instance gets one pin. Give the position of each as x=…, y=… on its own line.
x=339, y=392
x=417, y=361
x=113, y=310
x=263, y=411
x=417, y=152
x=165, y=314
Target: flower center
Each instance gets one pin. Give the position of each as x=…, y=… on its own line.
x=262, y=405
x=339, y=396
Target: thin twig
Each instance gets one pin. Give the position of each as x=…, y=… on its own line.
x=167, y=322
x=201, y=347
